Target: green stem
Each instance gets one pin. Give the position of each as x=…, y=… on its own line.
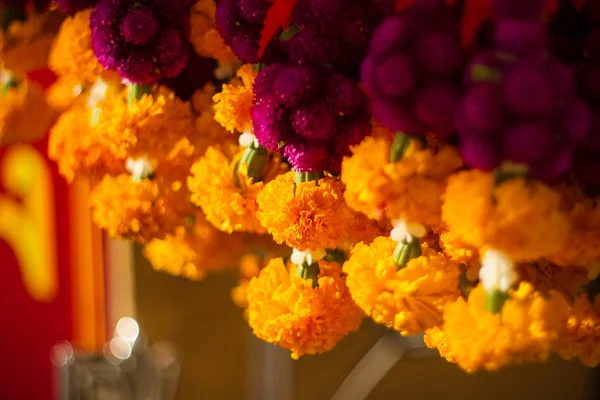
x=309, y=271
x=494, y=300
x=406, y=251
x=399, y=147
x=255, y=157
x=302, y=177
x=136, y=91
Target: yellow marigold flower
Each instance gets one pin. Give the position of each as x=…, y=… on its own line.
x=583, y=244
x=63, y=93
x=151, y=127
x=139, y=211
x=192, y=252
x=522, y=218
x=24, y=113
x=580, y=333
x=410, y=299
x=234, y=102
x=524, y=330
x=411, y=188
x=24, y=45
x=455, y=248
x=72, y=52
x=204, y=36
x=307, y=216
x=207, y=131
x=286, y=310
x=77, y=146
x=227, y=205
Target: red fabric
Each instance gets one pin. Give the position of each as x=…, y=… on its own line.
x=30, y=328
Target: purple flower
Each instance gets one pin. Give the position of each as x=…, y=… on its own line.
x=310, y=113
x=412, y=70
x=142, y=41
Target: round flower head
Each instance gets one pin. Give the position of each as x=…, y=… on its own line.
x=24, y=114
x=204, y=35
x=410, y=188
x=409, y=299
x=412, y=70
x=225, y=191
x=25, y=44
x=150, y=126
x=143, y=42
x=305, y=216
x=234, y=103
x=77, y=146
x=524, y=330
x=310, y=113
x=579, y=335
x=139, y=211
x=524, y=219
x=240, y=22
x=193, y=251
x=72, y=50
x=287, y=310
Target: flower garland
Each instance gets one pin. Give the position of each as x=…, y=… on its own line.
x=435, y=180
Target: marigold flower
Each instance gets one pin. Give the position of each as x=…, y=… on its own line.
x=524, y=219
x=286, y=310
x=72, y=53
x=234, y=103
x=227, y=205
x=24, y=113
x=472, y=337
x=139, y=211
x=580, y=333
x=150, y=127
x=306, y=216
x=204, y=35
x=455, y=248
x=410, y=188
x=192, y=252
x=409, y=299
x=63, y=93
x=77, y=146
x=24, y=45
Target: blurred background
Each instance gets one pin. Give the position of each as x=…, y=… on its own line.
x=62, y=280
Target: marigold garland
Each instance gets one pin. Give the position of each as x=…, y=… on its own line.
x=409, y=299
x=518, y=217
x=525, y=330
x=234, y=103
x=307, y=215
x=286, y=310
x=227, y=205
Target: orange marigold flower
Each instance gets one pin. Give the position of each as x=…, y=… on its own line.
x=234, y=102
x=228, y=205
x=409, y=299
x=411, y=188
x=207, y=131
x=524, y=219
x=192, y=252
x=24, y=113
x=72, y=52
x=139, y=211
x=204, y=36
x=24, y=45
x=150, y=127
x=306, y=216
x=286, y=310
x=63, y=93
x=472, y=337
x=455, y=248
x=580, y=331
x=583, y=244
x=77, y=146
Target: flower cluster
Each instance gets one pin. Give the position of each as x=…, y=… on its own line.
x=369, y=159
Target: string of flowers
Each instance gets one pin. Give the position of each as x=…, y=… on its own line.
x=432, y=165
